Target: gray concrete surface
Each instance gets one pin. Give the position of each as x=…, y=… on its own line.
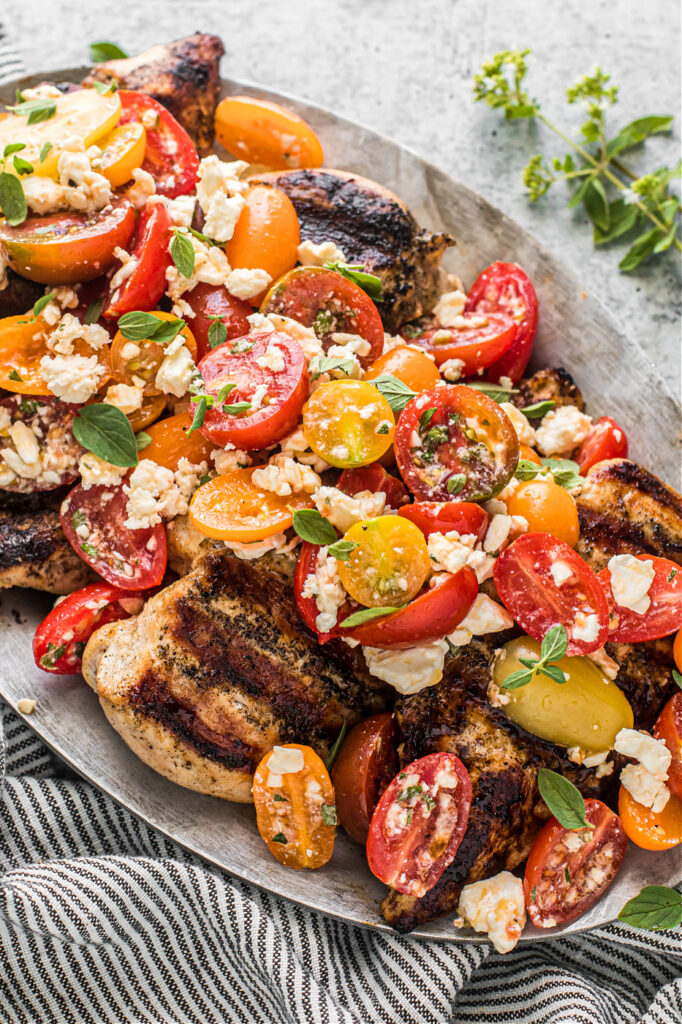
x=404, y=67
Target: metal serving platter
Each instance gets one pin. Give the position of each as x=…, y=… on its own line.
x=575, y=331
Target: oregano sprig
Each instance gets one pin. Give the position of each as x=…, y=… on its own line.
x=552, y=649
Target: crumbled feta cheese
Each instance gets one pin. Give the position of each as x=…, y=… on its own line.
x=152, y=493
x=180, y=209
x=296, y=447
x=609, y=667
x=177, y=369
x=449, y=308
x=125, y=397
x=524, y=431
x=305, y=336
x=26, y=706
x=285, y=760
x=42, y=92
x=70, y=330
x=645, y=781
x=496, y=906
x=586, y=627
x=219, y=178
x=452, y=369
x=560, y=572
x=497, y=533
x=258, y=548
x=484, y=616
x=272, y=359
x=126, y=270
x=324, y=586
x=562, y=430
x=228, y=459
x=631, y=579
x=84, y=189
x=95, y=472
x=210, y=267
x=72, y=378
x=188, y=476
x=142, y=188
x=25, y=442
x=342, y=510
x=284, y=476
x=246, y=283
x=311, y=254
x=450, y=552
x=409, y=670
x=222, y=216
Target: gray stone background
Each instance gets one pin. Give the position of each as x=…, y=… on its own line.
x=404, y=67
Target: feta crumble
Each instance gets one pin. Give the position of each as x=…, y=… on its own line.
x=645, y=781
x=126, y=397
x=72, y=378
x=311, y=254
x=484, y=616
x=324, y=586
x=562, y=430
x=409, y=670
x=284, y=476
x=342, y=510
x=496, y=906
x=449, y=308
x=246, y=283
x=95, y=472
x=177, y=369
x=452, y=369
x=631, y=579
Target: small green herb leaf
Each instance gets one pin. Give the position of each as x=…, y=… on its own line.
x=44, y=150
x=637, y=131
x=394, y=391
x=514, y=680
x=104, y=51
x=13, y=375
x=677, y=677
x=640, y=250
x=217, y=332
x=328, y=812
x=22, y=166
x=538, y=409
x=310, y=525
x=35, y=110
x=323, y=364
x=39, y=304
x=12, y=199
x=596, y=204
x=279, y=838
x=237, y=409
x=554, y=673
x=182, y=253
x=137, y=326
x=142, y=440
x=494, y=391
x=333, y=753
x=199, y=415
x=104, y=430
x=656, y=908
x=563, y=799
x=103, y=88
x=341, y=550
x=355, y=272
x=425, y=419
x=554, y=643
x=13, y=147
x=456, y=483
x=367, y=615
x=94, y=311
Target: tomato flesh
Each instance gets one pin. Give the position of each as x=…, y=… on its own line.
x=506, y=288
x=668, y=728
x=374, y=478
x=414, y=369
x=170, y=443
x=476, y=345
x=170, y=155
x=266, y=235
x=348, y=423
x=51, y=421
x=363, y=769
x=606, y=440
x=648, y=829
x=232, y=507
x=147, y=283
x=262, y=132
x=388, y=564
x=444, y=516
x=210, y=301
x=664, y=614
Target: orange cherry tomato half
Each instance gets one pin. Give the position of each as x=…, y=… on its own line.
x=668, y=728
x=677, y=650
x=548, y=508
x=664, y=614
x=64, y=248
x=529, y=454
x=295, y=810
x=561, y=882
x=122, y=153
x=650, y=831
x=147, y=283
x=152, y=407
x=266, y=235
x=606, y=440
x=231, y=507
x=266, y=133
x=365, y=765
x=133, y=361
x=477, y=344
x=170, y=442
x=211, y=302
x=506, y=288
x=414, y=369
x=170, y=155
x=23, y=344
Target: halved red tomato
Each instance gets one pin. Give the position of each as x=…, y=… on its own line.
x=211, y=302
x=59, y=450
x=374, y=478
x=664, y=614
x=527, y=588
x=170, y=156
x=307, y=566
x=147, y=283
x=93, y=521
x=477, y=345
x=64, y=248
x=62, y=635
x=668, y=728
x=569, y=869
x=455, y=440
x=92, y=296
x=506, y=288
x=275, y=397
x=606, y=440
x=329, y=303
x=366, y=763
x=419, y=822
x=444, y=516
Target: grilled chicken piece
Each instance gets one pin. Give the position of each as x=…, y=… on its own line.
x=18, y=295
x=182, y=75
x=503, y=761
x=218, y=668
x=35, y=553
x=371, y=226
x=186, y=545
x=548, y=384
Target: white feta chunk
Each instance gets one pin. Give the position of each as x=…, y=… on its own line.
x=311, y=254
x=342, y=510
x=325, y=587
x=246, y=283
x=631, y=579
x=562, y=430
x=126, y=397
x=645, y=781
x=495, y=906
x=524, y=431
x=409, y=670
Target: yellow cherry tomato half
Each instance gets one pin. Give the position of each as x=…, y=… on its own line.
x=266, y=235
x=586, y=711
x=389, y=563
x=266, y=133
x=348, y=423
x=133, y=362
x=548, y=508
x=660, y=830
x=529, y=455
x=23, y=343
x=413, y=368
x=231, y=507
x=170, y=442
x=122, y=153
x=152, y=407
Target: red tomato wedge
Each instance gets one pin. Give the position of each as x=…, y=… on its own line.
x=374, y=478
x=170, y=157
x=506, y=288
x=278, y=394
x=454, y=440
x=93, y=296
x=329, y=303
x=668, y=728
x=606, y=440
x=62, y=635
x=147, y=283
x=477, y=345
x=93, y=522
x=664, y=614
x=59, y=450
x=211, y=301
x=431, y=615
x=363, y=769
x=524, y=581
x=560, y=882
x=419, y=822
x=444, y=516
x=307, y=566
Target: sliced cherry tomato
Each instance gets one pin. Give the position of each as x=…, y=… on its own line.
x=307, y=564
x=122, y=153
x=211, y=302
x=170, y=442
x=23, y=343
x=152, y=407
x=505, y=288
x=295, y=809
x=479, y=342
x=664, y=614
x=561, y=883
x=668, y=728
x=274, y=384
x=329, y=303
x=92, y=296
x=529, y=455
x=455, y=440
x=547, y=508
x=388, y=564
x=133, y=362
x=262, y=132
x=93, y=521
x=419, y=822
x=677, y=650
x=374, y=478
x=415, y=370
x=63, y=248
x=147, y=283
x=51, y=422
x=62, y=635
x=266, y=235
x=231, y=507
x=170, y=155
x=528, y=589
x=606, y=440
x=433, y=614
x=348, y=423
x=661, y=830
x=444, y=516
x=363, y=769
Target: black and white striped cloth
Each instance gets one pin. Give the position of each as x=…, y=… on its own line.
x=104, y=921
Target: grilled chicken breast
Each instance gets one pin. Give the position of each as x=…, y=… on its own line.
x=18, y=295
x=217, y=669
x=35, y=553
x=549, y=385
x=371, y=226
x=182, y=75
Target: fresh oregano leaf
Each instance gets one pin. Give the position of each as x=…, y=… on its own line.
x=12, y=199
x=35, y=111
x=39, y=304
x=394, y=391
x=554, y=643
x=104, y=430
x=563, y=799
x=656, y=908
x=312, y=526
x=137, y=326
x=94, y=311
x=104, y=51
x=217, y=332
x=367, y=615
x=341, y=550
x=142, y=440
x=323, y=364
x=538, y=409
x=456, y=483
x=328, y=812
x=333, y=753
x=355, y=272
x=182, y=254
